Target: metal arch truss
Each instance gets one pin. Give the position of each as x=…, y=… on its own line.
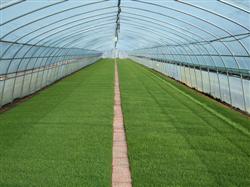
x=187, y=46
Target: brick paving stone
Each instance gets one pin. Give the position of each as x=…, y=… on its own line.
x=122, y=184
x=121, y=176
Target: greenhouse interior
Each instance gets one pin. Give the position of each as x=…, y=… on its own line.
x=124, y=93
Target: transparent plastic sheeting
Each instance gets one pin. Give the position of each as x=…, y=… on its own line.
x=25, y=68
x=225, y=87
x=207, y=41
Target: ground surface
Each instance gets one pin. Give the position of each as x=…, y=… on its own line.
x=62, y=136
x=178, y=141
x=175, y=136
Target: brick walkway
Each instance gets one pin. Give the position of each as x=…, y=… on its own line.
x=121, y=176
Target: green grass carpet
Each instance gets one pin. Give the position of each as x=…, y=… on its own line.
x=62, y=136
x=174, y=141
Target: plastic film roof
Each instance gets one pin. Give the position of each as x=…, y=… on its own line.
x=209, y=32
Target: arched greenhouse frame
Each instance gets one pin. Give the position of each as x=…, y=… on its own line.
x=116, y=59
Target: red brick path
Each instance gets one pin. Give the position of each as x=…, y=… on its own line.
x=121, y=176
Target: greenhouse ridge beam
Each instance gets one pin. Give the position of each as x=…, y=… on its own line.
x=117, y=27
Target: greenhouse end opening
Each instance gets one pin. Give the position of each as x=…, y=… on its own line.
x=125, y=93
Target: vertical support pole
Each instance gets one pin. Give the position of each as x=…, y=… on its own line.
x=243, y=92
